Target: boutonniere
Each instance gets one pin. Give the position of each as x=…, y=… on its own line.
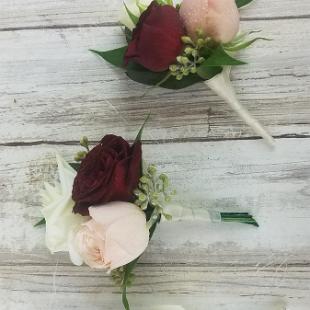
x=105, y=206
x=176, y=46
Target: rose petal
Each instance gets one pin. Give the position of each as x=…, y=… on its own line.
x=219, y=19
x=156, y=41
x=126, y=240
x=123, y=227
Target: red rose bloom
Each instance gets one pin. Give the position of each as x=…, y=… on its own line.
x=110, y=172
x=156, y=41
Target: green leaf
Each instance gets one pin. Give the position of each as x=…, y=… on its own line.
x=128, y=269
x=208, y=73
x=165, y=2
x=169, y=2
x=75, y=166
x=141, y=75
x=139, y=135
x=40, y=223
x=241, y=3
x=128, y=34
x=187, y=81
x=243, y=218
x=114, y=57
x=218, y=58
x=132, y=16
x=142, y=7
x=243, y=45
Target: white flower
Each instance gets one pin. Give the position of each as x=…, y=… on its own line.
x=133, y=6
x=115, y=236
x=57, y=209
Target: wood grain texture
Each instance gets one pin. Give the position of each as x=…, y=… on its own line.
x=16, y=14
x=59, y=287
x=53, y=89
x=246, y=265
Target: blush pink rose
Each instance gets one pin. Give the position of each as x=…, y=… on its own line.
x=219, y=19
x=115, y=236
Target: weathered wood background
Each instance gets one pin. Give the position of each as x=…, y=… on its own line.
x=52, y=91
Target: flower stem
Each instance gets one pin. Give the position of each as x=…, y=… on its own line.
x=153, y=220
x=128, y=269
x=243, y=218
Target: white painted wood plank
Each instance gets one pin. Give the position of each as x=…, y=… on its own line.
x=228, y=176
x=44, y=13
x=98, y=301
x=230, y=288
x=53, y=89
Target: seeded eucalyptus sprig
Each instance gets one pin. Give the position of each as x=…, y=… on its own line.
x=192, y=57
x=154, y=192
x=84, y=142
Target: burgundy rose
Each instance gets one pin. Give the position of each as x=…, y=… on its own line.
x=156, y=41
x=109, y=172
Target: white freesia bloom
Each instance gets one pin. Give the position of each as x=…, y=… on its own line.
x=222, y=86
x=57, y=209
x=133, y=6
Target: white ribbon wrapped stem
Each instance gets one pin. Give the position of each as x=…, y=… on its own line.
x=182, y=214
x=222, y=86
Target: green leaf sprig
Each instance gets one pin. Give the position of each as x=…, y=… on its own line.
x=242, y=41
x=191, y=58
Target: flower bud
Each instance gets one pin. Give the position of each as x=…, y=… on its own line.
x=173, y=68
x=201, y=60
x=80, y=156
x=152, y=170
x=186, y=72
x=200, y=33
x=187, y=40
x=84, y=142
x=144, y=180
x=194, y=70
x=218, y=19
x=201, y=43
x=194, y=53
x=188, y=50
x=164, y=179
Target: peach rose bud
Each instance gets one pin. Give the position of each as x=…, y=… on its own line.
x=115, y=236
x=218, y=19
